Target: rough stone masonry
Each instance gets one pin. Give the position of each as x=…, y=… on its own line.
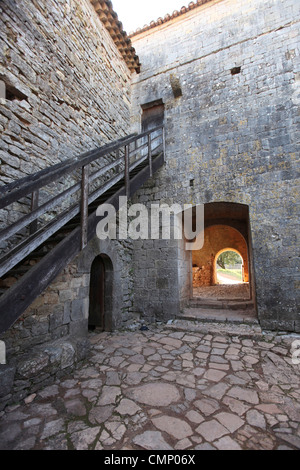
x=67, y=91
x=232, y=136
x=227, y=75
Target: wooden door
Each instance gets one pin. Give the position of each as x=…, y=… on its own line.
x=97, y=294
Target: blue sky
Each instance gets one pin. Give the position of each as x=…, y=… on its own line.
x=136, y=13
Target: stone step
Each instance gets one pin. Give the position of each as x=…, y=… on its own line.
x=221, y=304
x=218, y=315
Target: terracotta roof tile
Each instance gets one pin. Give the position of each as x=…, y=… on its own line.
x=169, y=17
x=109, y=18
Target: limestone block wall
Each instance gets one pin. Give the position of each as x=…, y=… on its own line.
x=68, y=88
x=67, y=91
x=233, y=134
x=51, y=336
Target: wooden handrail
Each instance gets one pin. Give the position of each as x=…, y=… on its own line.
x=14, y=191
x=64, y=167
x=121, y=167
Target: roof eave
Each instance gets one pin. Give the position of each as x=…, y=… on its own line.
x=109, y=18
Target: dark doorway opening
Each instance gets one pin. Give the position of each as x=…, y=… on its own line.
x=226, y=229
x=153, y=115
x=101, y=287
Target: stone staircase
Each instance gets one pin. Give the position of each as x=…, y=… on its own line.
x=53, y=232
x=220, y=310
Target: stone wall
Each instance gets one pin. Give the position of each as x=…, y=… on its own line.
x=232, y=135
x=68, y=87
x=51, y=336
x=68, y=91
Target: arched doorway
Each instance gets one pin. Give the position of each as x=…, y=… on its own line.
x=101, y=290
x=226, y=227
x=218, y=239
x=229, y=267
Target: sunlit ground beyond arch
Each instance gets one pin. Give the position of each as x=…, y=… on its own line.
x=229, y=267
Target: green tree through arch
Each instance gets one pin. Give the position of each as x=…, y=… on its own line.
x=229, y=257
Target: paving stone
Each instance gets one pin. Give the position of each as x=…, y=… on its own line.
x=151, y=440
x=236, y=406
x=154, y=358
x=109, y=395
x=32, y=422
x=205, y=446
x=155, y=394
x=227, y=443
x=94, y=384
x=135, y=378
x=250, y=396
x=7, y=437
x=216, y=391
x=116, y=429
x=211, y=430
x=100, y=414
x=174, y=426
x=191, y=339
x=44, y=410
x=190, y=394
x=49, y=392
x=250, y=360
x=232, y=351
x=75, y=407
x=175, y=343
x=202, y=355
x=214, y=374
x=230, y=421
x=187, y=364
x=269, y=408
x=82, y=440
x=72, y=393
x=148, y=351
x=90, y=394
x=29, y=399
x=112, y=378
x=28, y=444
x=207, y=406
x=137, y=359
x=213, y=365
x=194, y=417
x=127, y=407
x=52, y=428
x=183, y=444
x=254, y=418
x=218, y=352
x=158, y=405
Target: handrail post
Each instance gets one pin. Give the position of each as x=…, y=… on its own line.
x=135, y=148
x=84, y=205
x=34, y=205
x=164, y=143
x=117, y=158
x=127, y=177
x=150, y=155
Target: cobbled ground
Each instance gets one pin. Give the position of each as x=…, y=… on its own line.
x=173, y=387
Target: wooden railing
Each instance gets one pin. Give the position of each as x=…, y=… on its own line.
x=88, y=176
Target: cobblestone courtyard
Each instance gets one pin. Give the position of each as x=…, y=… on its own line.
x=178, y=386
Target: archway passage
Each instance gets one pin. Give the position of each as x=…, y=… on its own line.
x=101, y=286
x=229, y=267
x=226, y=228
